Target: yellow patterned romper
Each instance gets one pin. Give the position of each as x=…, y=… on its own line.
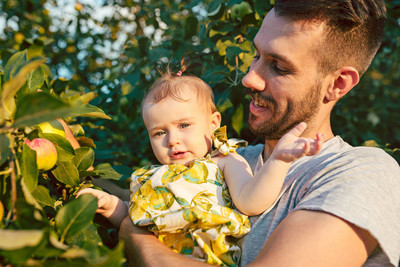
x=189, y=208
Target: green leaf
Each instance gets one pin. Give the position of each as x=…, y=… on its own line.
x=76, y=216
x=83, y=174
x=85, y=141
x=11, y=87
x=4, y=148
x=88, y=238
x=35, y=79
x=191, y=26
x=237, y=119
x=86, y=98
x=84, y=158
x=113, y=258
x=261, y=7
x=75, y=253
x=42, y=195
x=65, y=151
x=125, y=171
x=40, y=107
x=31, y=200
x=28, y=166
x=14, y=64
x=214, y=8
x=89, y=111
x=17, y=239
x=105, y=171
x=67, y=173
x=231, y=53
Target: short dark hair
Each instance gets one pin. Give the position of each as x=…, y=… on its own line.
x=355, y=29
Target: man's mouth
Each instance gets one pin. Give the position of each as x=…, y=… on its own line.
x=259, y=102
x=262, y=102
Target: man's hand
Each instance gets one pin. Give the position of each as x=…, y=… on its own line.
x=292, y=147
x=144, y=249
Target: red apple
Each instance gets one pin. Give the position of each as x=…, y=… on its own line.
x=46, y=153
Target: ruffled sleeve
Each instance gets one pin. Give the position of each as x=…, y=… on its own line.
x=223, y=145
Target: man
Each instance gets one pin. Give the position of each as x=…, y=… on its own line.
x=340, y=207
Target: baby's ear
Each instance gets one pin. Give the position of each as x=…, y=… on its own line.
x=215, y=121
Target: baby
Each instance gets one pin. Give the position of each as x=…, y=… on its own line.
x=186, y=201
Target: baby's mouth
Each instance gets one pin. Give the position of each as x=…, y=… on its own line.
x=177, y=154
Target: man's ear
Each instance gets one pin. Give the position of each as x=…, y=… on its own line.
x=215, y=121
x=344, y=79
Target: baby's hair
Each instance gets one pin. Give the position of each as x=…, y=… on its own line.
x=171, y=85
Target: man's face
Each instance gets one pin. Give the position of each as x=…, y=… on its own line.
x=284, y=84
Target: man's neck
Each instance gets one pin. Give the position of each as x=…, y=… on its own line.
x=268, y=148
x=270, y=144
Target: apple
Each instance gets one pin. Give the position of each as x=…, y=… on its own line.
x=46, y=153
x=53, y=127
x=1, y=210
x=238, y=11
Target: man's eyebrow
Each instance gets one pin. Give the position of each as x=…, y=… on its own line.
x=279, y=57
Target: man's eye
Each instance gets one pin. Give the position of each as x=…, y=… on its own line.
x=279, y=70
x=256, y=57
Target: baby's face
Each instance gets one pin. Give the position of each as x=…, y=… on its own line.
x=179, y=131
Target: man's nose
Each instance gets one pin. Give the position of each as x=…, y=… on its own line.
x=254, y=80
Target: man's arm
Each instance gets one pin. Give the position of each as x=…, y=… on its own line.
x=304, y=238
x=314, y=238
x=144, y=249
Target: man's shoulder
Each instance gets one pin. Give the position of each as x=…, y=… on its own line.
x=251, y=149
x=344, y=152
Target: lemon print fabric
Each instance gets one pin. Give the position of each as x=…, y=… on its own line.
x=189, y=209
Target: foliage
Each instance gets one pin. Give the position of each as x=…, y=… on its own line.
x=43, y=221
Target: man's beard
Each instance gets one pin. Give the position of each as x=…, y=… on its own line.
x=283, y=121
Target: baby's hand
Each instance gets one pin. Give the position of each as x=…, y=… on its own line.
x=107, y=204
x=292, y=147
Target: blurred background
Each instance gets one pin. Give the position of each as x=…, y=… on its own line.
x=114, y=47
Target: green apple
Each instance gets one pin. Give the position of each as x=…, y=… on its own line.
x=46, y=153
x=238, y=11
x=53, y=127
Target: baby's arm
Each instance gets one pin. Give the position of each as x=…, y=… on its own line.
x=110, y=206
x=253, y=196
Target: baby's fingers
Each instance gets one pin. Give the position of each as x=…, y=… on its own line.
x=317, y=144
x=87, y=191
x=306, y=148
x=299, y=129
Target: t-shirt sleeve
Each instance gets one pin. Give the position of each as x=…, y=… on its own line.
x=361, y=186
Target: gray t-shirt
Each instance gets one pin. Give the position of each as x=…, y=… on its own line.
x=358, y=184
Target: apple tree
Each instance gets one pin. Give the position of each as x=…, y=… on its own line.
x=41, y=220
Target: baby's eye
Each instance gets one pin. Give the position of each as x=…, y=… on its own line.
x=184, y=125
x=160, y=133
